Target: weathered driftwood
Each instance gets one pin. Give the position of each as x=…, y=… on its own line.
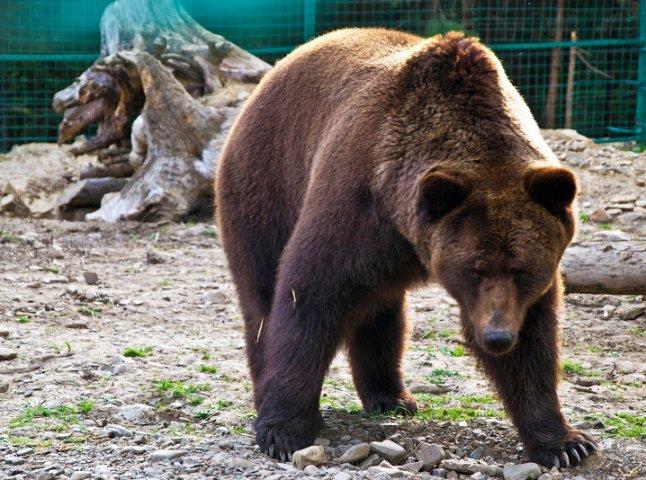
x=86, y=193
x=617, y=268
x=155, y=62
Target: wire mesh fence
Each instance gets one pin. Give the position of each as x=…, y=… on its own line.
x=578, y=63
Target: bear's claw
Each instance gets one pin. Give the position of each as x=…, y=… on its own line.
x=572, y=452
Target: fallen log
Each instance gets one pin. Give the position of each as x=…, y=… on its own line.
x=617, y=268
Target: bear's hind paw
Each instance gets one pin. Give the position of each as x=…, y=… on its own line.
x=404, y=405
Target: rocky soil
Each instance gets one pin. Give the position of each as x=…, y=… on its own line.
x=121, y=357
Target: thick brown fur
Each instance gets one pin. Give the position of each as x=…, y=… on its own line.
x=369, y=161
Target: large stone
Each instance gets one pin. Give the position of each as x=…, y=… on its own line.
x=431, y=454
x=391, y=472
x=160, y=455
x=389, y=450
x=136, y=414
x=314, y=455
x=7, y=354
x=600, y=216
x=523, y=471
x=355, y=453
x=468, y=465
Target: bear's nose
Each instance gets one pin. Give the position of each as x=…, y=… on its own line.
x=498, y=340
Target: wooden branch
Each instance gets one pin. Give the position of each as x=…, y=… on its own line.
x=617, y=268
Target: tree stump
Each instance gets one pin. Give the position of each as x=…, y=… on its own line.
x=164, y=91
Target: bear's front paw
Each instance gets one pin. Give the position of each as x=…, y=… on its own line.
x=402, y=404
x=280, y=439
x=576, y=447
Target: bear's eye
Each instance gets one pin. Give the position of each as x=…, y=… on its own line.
x=475, y=273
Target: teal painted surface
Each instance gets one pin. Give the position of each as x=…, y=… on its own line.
x=46, y=44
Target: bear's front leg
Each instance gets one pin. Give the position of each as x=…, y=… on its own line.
x=301, y=337
x=526, y=378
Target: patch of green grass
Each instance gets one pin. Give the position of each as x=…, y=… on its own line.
x=137, y=352
x=164, y=283
x=238, y=430
x=63, y=414
x=227, y=378
x=456, y=408
x=89, y=312
x=584, y=217
x=8, y=237
x=202, y=414
x=208, y=369
x=446, y=333
x=135, y=236
x=457, y=351
x=573, y=368
x=329, y=402
x=23, y=319
x=595, y=349
x=439, y=375
x=53, y=269
x=86, y=406
x=604, y=226
x=209, y=232
x=222, y=405
x=625, y=425
x=637, y=331
x=179, y=389
x=195, y=400
x=205, y=352
x=28, y=442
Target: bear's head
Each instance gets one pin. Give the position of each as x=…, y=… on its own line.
x=496, y=245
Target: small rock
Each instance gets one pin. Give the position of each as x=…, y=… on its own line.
x=14, y=460
x=160, y=455
x=7, y=354
x=523, y=471
x=371, y=461
x=136, y=413
x=222, y=431
x=226, y=444
x=623, y=198
x=630, y=312
x=545, y=476
x=468, y=465
x=430, y=454
x=342, y=476
x=25, y=451
x=355, y=453
x=80, y=475
x=600, y=216
x=391, y=472
x=323, y=442
x=309, y=470
x=154, y=257
x=4, y=332
x=45, y=476
x=77, y=323
x=4, y=387
x=389, y=450
x=412, y=467
x=439, y=472
x=433, y=389
x=314, y=455
x=584, y=425
x=113, y=430
x=91, y=278
x=612, y=236
x=217, y=297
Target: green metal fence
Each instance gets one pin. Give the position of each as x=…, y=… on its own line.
x=578, y=63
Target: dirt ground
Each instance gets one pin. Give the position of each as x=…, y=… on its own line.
x=75, y=297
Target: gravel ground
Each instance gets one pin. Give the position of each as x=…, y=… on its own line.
x=121, y=357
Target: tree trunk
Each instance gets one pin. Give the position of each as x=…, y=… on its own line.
x=617, y=268
x=555, y=68
x=185, y=83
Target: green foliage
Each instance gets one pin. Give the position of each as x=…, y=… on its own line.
x=625, y=425
x=457, y=408
x=457, y=351
x=137, y=352
x=89, y=312
x=178, y=389
x=208, y=369
x=23, y=319
x=439, y=375
x=584, y=217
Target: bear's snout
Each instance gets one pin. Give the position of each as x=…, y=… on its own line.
x=498, y=340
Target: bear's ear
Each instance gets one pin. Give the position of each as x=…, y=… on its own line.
x=552, y=187
x=439, y=193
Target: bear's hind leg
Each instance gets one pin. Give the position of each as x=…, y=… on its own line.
x=375, y=351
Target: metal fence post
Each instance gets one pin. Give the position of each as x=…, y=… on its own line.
x=309, y=19
x=640, y=113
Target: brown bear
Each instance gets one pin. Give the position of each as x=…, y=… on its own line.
x=371, y=161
